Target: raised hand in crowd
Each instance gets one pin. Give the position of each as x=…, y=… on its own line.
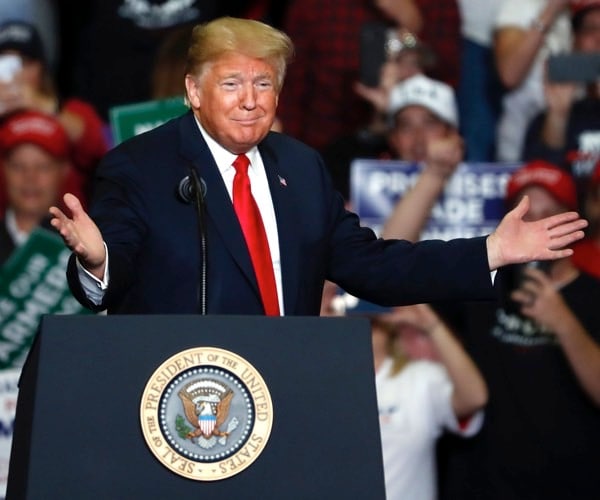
x=469, y=389
x=442, y=157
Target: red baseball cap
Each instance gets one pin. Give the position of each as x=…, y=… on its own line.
x=36, y=128
x=553, y=179
x=578, y=6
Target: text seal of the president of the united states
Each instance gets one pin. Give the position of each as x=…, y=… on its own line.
x=206, y=413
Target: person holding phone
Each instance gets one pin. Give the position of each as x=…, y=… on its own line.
x=540, y=355
x=567, y=133
x=526, y=32
x=320, y=104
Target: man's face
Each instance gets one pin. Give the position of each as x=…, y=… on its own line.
x=587, y=38
x=33, y=180
x=235, y=100
x=414, y=127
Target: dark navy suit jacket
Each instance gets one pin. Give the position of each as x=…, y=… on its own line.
x=154, y=244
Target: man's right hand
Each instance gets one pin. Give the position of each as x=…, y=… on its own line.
x=81, y=235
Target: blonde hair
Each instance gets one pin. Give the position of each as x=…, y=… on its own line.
x=399, y=358
x=255, y=39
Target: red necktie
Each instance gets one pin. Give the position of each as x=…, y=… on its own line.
x=256, y=237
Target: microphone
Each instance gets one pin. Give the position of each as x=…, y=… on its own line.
x=186, y=190
x=192, y=189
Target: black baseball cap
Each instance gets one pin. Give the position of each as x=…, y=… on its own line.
x=23, y=38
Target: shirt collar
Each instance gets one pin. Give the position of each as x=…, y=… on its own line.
x=18, y=236
x=222, y=156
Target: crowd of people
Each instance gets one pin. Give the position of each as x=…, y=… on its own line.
x=458, y=80
x=493, y=56
x=538, y=349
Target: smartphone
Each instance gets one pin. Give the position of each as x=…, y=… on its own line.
x=513, y=277
x=373, y=39
x=10, y=65
x=542, y=265
x=583, y=67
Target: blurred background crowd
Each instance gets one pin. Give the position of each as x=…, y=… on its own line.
x=438, y=82
x=516, y=98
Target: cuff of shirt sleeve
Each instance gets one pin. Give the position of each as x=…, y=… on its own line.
x=88, y=278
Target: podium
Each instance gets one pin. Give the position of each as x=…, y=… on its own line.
x=79, y=432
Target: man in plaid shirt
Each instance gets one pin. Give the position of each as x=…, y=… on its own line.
x=319, y=103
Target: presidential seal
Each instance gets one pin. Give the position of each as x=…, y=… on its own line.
x=206, y=414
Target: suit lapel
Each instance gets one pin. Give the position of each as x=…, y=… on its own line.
x=286, y=225
x=219, y=208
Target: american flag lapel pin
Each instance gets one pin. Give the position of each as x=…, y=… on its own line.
x=282, y=181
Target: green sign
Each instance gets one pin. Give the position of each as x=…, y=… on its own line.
x=32, y=283
x=133, y=119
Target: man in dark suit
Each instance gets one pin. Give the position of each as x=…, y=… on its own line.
x=144, y=250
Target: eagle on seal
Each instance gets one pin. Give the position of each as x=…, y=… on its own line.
x=206, y=414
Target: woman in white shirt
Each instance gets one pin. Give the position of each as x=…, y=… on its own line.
x=426, y=384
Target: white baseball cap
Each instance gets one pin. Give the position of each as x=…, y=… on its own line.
x=438, y=97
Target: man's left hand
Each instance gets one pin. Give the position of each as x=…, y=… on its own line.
x=516, y=241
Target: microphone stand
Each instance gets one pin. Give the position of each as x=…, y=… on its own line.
x=200, y=209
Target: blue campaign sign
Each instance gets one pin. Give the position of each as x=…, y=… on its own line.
x=472, y=203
